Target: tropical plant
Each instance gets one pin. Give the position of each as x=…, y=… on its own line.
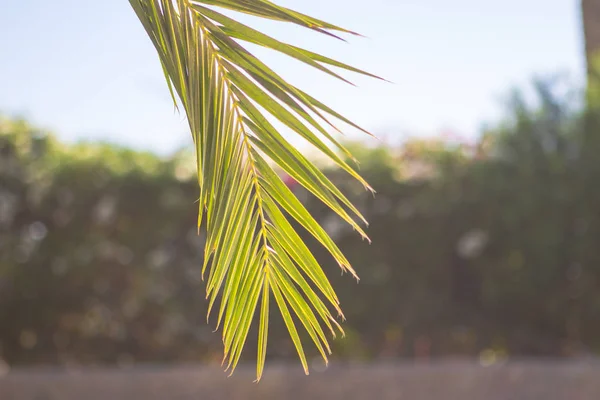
x=252, y=250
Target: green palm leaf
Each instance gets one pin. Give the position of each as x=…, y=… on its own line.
x=252, y=251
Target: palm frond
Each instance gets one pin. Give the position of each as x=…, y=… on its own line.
x=252, y=250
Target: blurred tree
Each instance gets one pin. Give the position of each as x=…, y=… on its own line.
x=477, y=247
x=590, y=11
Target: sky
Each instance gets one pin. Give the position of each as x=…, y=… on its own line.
x=86, y=71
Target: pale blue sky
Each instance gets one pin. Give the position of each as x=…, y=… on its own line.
x=86, y=70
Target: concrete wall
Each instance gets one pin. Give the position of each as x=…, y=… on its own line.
x=439, y=381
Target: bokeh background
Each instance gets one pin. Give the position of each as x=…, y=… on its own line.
x=485, y=245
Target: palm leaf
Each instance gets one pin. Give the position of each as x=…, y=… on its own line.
x=252, y=250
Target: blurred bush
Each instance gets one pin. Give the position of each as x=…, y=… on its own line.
x=482, y=249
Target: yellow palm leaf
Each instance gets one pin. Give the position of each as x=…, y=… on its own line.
x=252, y=251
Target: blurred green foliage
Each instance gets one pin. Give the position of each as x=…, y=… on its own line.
x=492, y=246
